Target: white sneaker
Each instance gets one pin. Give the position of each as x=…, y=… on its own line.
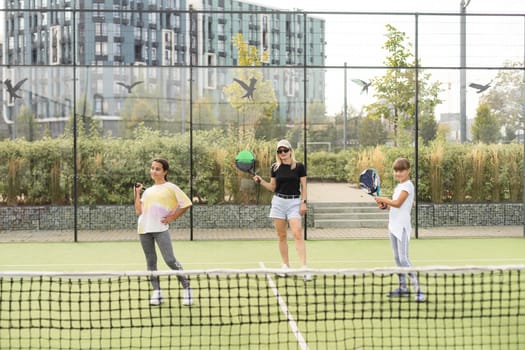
x=307, y=275
x=187, y=298
x=156, y=298
x=284, y=268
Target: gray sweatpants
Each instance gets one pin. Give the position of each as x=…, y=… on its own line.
x=400, y=250
x=163, y=239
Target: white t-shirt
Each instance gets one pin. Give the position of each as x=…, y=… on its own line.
x=399, y=218
x=157, y=202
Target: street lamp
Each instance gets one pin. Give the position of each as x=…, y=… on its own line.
x=463, y=74
x=345, y=113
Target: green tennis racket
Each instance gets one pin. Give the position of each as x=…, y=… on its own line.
x=245, y=161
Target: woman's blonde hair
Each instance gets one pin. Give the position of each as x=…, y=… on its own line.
x=277, y=164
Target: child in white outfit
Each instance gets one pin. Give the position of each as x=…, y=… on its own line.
x=399, y=226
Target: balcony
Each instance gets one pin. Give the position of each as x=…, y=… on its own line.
x=101, y=58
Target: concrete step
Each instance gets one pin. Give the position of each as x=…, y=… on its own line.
x=349, y=210
x=351, y=215
x=349, y=223
x=343, y=204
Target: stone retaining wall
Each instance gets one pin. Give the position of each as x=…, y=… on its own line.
x=237, y=216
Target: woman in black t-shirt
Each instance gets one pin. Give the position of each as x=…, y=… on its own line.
x=288, y=182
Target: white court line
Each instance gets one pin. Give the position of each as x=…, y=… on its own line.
x=286, y=312
x=313, y=262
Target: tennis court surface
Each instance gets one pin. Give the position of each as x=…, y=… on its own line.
x=99, y=299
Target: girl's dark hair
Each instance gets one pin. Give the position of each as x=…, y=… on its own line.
x=401, y=164
x=165, y=166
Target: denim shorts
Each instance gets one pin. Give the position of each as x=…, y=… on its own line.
x=285, y=208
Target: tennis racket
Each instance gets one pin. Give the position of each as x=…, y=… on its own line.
x=245, y=161
x=370, y=182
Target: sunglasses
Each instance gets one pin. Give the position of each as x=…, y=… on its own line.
x=283, y=150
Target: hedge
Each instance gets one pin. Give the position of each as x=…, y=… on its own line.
x=42, y=172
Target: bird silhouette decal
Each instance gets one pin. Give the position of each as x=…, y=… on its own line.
x=129, y=87
x=480, y=87
x=12, y=90
x=364, y=85
x=247, y=88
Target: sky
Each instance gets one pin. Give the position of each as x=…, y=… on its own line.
x=357, y=40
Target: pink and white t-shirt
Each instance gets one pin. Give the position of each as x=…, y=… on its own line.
x=157, y=202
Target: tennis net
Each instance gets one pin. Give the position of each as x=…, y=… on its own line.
x=466, y=308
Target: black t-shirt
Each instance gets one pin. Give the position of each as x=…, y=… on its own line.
x=287, y=180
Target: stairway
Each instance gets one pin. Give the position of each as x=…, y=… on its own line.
x=349, y=215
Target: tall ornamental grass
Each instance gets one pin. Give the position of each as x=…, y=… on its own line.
x=42, y=172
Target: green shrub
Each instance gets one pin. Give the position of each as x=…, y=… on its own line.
x=43, y=171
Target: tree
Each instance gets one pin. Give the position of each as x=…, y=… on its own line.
x=395, y=92
x=486, y=127
x=261, y=104
x=26, y=124
x=371, y=132
x=505, y=98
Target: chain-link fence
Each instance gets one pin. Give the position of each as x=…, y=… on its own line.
x=92, y=94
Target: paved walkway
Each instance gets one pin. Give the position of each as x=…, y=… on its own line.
x=321, y=192
x=317, y=193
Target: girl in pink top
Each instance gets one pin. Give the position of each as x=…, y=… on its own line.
x=159, y=205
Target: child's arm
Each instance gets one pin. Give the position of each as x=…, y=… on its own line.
x=396, y=203
x=174, y=214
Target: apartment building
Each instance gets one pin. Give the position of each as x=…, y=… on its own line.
x=95, y=50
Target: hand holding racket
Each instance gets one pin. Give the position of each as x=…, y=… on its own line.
x=370, y=182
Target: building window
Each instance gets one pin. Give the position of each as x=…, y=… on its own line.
x=118, y=49
x=116, y=10
x=54, y=45
x=265, y=39
x=289, y=83
x=101, y=48
x=99, y=104
x=211, y=76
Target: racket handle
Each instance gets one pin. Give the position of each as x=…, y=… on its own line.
x=138, y=185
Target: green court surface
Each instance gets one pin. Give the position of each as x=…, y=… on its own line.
x=262, y=310
x=339, y=254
